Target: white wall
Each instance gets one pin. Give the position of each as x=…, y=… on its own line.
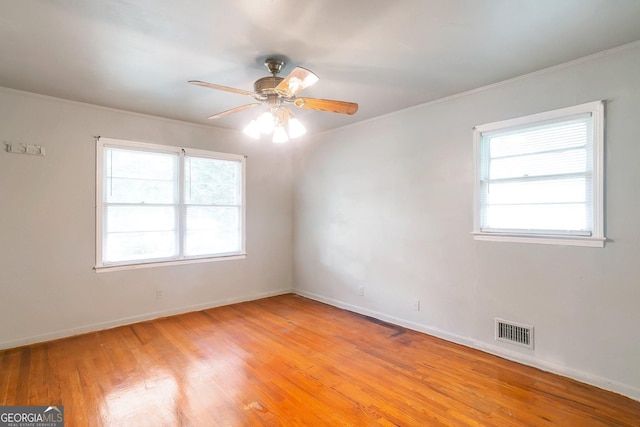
x=387, y=205
x=48, y=287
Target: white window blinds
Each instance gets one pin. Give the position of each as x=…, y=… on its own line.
x=541, y=175
x=539, y=178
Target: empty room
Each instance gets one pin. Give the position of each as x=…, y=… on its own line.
x=319, y=213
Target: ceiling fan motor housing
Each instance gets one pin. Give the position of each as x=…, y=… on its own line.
x=267, y=85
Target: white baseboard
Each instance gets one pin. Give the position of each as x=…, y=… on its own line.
x=135, y=319
x=584, y=377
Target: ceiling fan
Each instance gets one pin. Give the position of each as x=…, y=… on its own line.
x=278, y=93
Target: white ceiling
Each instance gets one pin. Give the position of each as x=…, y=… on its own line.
x=137, y=55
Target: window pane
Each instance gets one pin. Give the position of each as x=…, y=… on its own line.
x=553, y=163
x=212, y=230
x=532, y=192
x=212, y=181
x=139, y=232
x=119, y=219
x=554, y=136
x=140, y=176
x=131, y=246
x=561, y=217
x=123, y=190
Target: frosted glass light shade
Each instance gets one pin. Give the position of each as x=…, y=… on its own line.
x=252, y=129
x=296, y=128
x=280, y=135
x=266, y=122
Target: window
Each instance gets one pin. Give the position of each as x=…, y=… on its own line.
x=158, y=204
x=539, y=179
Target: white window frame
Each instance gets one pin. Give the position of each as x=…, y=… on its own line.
x=101, y=144
x=597, y=238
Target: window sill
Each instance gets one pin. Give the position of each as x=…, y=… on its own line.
x=119, y=267
x=593, y=242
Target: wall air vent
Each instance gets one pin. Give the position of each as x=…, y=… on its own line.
x=514, y=333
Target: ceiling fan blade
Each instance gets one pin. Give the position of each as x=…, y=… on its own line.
x=329, y=105
x=234, y=110
x=225, y=88
x=297, y=80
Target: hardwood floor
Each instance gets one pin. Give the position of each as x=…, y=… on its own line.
x=288, y=360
